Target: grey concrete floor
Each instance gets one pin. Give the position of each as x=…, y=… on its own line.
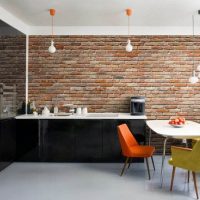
x=75, y=181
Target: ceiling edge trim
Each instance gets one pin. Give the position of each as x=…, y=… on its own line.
x=12, y=20
x=112, y=30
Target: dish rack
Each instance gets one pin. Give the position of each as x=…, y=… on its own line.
x=8, y=105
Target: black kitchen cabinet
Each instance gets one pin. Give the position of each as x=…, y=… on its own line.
x=7, y=142
x=57, y=140
x=88, y=140
x=111, y=147
x=73, y=140
x=27, y=140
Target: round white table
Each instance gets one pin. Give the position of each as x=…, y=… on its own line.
x=191, y=130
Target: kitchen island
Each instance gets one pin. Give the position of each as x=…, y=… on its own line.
x=75, y=138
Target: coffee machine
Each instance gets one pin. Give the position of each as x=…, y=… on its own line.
x=137, y=105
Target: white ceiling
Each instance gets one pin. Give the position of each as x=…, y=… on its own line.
x=104, y=12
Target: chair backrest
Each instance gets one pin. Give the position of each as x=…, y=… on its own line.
x=126, y=139
x=195, y=156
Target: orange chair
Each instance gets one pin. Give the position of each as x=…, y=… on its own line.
x=131, y=148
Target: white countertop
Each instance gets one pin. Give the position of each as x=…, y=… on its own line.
x=162, y=127
x=88, y=116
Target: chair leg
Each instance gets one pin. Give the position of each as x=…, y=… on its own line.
x=148, y=168
x=188, y=176
x=130, y=161
x=172, y=178
x=195, y=184
x=124, y=166
x=153, y=163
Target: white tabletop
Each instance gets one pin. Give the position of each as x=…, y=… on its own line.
x=161, y=127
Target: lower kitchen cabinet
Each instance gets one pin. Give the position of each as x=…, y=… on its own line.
x=73, y=140
x=7, y=142
x=88, y=140
x=111, y=147
x=27, y=140
x=57, y=141
x=111, y=151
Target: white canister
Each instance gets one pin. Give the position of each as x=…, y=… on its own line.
x=84, y=110
x=78, y=111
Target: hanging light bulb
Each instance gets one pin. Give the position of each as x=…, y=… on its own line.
x=129, y=47
x=193, y=79
x=52, y=48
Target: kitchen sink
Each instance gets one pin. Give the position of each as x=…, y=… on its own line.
x=102, y=115
x=62, y=114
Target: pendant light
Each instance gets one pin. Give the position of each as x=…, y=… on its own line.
x=193, y=79
x=52, y=48
x=129, y=47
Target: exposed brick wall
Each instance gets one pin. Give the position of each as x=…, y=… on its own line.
x=13, y=64
x=96, y=71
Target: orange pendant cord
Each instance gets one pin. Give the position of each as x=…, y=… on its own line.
x=129, y=13
x=52, y=13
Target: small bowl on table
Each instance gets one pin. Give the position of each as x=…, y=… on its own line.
x=177, y=122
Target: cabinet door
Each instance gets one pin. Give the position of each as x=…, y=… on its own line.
x=7, y=142
x=27, y=140
x=88, y=140
x=111, y=146
x=58, y=140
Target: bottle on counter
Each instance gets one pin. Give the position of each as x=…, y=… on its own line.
x=32, y=107
x=55, y=110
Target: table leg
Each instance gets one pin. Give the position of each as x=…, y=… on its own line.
x=187, y=143
x=163, y=160
x=149, y=137
x=39, y=139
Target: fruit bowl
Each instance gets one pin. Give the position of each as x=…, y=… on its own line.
x=177, y=126
x=177, y=122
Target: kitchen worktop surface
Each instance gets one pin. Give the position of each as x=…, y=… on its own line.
x=87, y=116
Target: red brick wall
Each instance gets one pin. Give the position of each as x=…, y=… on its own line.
x=96, y=71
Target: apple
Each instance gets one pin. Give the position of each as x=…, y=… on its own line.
x=177, y=121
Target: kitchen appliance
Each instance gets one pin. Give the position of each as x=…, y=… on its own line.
x=137, y=105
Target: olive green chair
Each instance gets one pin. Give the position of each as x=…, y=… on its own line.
x=188, y=159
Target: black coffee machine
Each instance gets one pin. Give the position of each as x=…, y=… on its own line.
x=137, y=105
